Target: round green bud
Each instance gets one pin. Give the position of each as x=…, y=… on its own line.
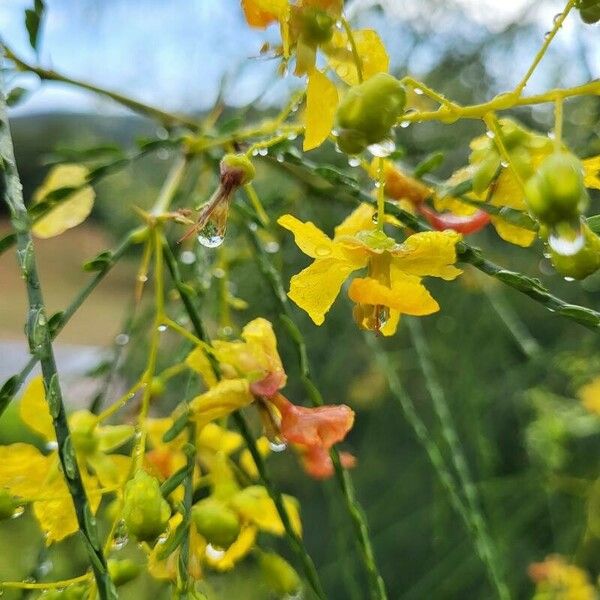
x=122, y=571
x=145, y=512
x=236, y=170
x=8, y=505
x=556, y=192
x=582, y=264
x=157, y=387
x=369, y=110
x=218, y=524
x=589, y=10
x=279, y=574
x=351, y=141
x=83, y=425
x=316, y=26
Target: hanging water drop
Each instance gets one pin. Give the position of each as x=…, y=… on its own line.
x=566, y=239
x=354, y=161
x=383, y=148
x=404, y=124
x=277, y=445
x=17, y=512
x=162, y=328
x=263, y=152
x=122, y=339
x=418, y=91
x=271, y=247
x=210, y=237
x=213, y=552
x=187, y=257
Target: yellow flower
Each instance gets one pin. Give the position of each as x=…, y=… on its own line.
x=590, y=396
x=29, y=474
x=556, y=579
x=393, y=285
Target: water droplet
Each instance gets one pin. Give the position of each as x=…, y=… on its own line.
x=383, y=148
x=569, y=279
x=163, y=154
x=547, y=35
x=354, y=161
x=120, y=539
x=210, y=238
x=17, y=512
x=226, y=331
x=551, y=135
x=404, y=124
x=162, y=328
x=45, y=567
x=219, y=273
x=279, y=158
x=277, y=445
x=122, y=339
x=292, y=136
x=566, y=239
x=187, y=257
x=263, y=152
x=142, y=277
x=214, y=552
x=253, y=226
x=322, y=251
x=51, y=446
x=382, y=316
x=504, y=164
x=556, y=17
x=272, y=247
x=418, y=91
x=490, y=134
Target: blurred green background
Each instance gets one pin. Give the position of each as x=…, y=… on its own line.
x=509, y=368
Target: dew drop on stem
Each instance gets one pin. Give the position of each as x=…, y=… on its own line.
x=566, y=239
x=383, y=148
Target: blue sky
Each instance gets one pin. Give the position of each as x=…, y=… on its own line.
x=174, y=53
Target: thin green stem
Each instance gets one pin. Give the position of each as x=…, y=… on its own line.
x=423, y=436
x=558, y=123
x=542, y=51
x=40, y=343
x=165, y=118
x=65, y=317
x=380, y=194
x=357, y=516
x=484, y=542
x=294, y=539
x=353, y=49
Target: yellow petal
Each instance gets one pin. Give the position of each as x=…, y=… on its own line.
x=321, y=104
x=255, y=505
x=407, y=295
x=24, y=469
x=56, y=515
x=508, y=191
x=513, y=233
x=111, y=437
x=215, y=438
x=590, y=396
x=224, y=398
x=34, y=409
x=430, y=253
x=360, y=219
x=260, y=13
x=111, y=469
x=591, y=171
x=392, y=323
x=309, y=238
x=238, y=550
x=370, y=49
x=315, y=288
x=71, y=211
x=197, y=360
x=156, y=429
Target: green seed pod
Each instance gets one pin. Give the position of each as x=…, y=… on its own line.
x=556, y=192
x=8, y=505
x=122, y=571
x=485, y=172
x=589, y=11
x=218, y=524
x=583, y=263
x=145, y=512
x=236, y=170
x=369, y=111
x=279, y=574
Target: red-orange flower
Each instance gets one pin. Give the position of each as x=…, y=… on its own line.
x=318, y=464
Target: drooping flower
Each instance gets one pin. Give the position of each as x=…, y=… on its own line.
x=393, y=284
x=555, y=578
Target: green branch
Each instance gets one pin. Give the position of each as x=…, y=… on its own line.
x=40, y=344
x=358, y=518
x=165, y=118
x=349, y=190
x=296, y=543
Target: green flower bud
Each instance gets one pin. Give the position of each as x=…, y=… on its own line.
x=8, y=505
x=316, y=26
x=83, y=425
x=583, y=263
x=218, y=524
x=145, y=512
x=122, y=571
x=556, y=192
x=279, y=574
x=368, y=111
x=236, y=170
x=589, y=10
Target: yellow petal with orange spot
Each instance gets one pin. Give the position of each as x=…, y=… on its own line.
x=407, y=295
x=321, y=105
x=430, y=253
